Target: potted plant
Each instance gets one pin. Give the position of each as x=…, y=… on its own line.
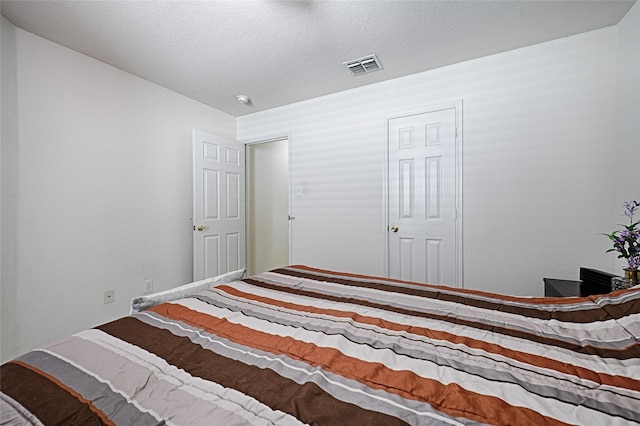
x=626, y=242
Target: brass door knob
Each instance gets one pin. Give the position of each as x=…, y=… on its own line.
x=201, y=228
x=394, y=228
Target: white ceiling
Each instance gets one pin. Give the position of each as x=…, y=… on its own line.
x=279, y=52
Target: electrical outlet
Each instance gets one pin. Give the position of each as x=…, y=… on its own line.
x=148, y=286
x=109, y=296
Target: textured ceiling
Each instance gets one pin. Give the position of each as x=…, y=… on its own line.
x=279, y=52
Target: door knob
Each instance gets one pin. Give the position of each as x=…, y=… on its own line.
x=394, y=228
x=201, y=228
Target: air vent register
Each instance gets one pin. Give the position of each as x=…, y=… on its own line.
x=364, y=65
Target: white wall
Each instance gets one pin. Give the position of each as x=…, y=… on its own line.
x=102, y=171
x=8, y=187
x=627, y=153
x=538, y=163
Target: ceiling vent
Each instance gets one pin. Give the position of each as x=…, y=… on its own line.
x=363, y=65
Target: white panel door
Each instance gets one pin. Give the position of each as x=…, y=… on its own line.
x=218, y=205
x=423, y=243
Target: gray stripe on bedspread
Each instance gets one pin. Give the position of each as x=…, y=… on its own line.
x=112, y=404
x=301, y=372
x=538, y=381
x=169, y=392
x=318, y=276
x=604, y=337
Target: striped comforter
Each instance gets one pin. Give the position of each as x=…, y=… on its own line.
x=299, y=345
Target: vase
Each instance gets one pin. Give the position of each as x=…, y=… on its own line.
x=631, y=275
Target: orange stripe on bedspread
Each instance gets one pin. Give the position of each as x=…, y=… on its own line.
x=450, y=399
x=433, y=286
x=528, y=358
x=496, y=296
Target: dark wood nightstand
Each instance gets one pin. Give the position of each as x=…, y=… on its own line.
x=567, y=288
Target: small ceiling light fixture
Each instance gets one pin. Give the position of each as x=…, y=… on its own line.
x=363, y=65
x=243, y=99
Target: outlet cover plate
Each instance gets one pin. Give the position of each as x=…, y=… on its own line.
x=109, y=296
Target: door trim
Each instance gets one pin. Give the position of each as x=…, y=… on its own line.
x=256, y=141
x=458, y=107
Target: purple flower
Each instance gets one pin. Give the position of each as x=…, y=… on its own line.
x=626, y=241
x=630, y=208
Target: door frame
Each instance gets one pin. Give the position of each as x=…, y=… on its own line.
x=458, y=107
x=256, y=141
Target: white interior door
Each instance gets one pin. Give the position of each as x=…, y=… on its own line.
x=267, y=205
x=423, y=191
x=218, y=205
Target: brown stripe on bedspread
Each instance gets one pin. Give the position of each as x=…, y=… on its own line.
x=451, y=399
x=625, y=353
x=529, y=358
x=526, y=307
x=24, y=383
x=308, y=402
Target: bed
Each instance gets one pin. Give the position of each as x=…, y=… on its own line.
x=300, y=345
